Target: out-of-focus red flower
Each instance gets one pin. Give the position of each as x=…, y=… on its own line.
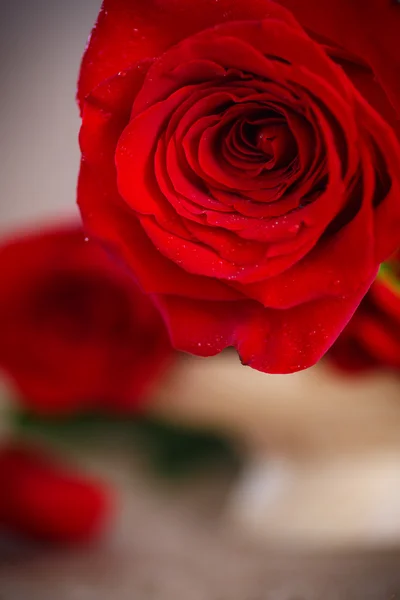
x=43, y=500
x=372, y=338
x=76, y=334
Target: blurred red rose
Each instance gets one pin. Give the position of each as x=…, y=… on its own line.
x=43, y=500
x=372, y=338
x=238, y=172
x=76, y=333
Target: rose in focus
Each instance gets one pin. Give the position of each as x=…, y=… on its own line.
x=372, y=338
x=231, y=162
x=76, y=333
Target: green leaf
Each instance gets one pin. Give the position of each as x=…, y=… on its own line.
x=170, y=450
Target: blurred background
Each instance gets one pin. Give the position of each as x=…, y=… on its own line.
x=220, y=482
x=41, y=46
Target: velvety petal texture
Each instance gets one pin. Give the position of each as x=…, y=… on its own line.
x=76, y=332
x=235, y=165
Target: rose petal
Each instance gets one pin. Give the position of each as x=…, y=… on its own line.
x=129, y=30
x=116, y=228
x=369, y=30
x=273, y=341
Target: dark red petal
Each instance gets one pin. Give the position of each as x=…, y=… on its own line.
x=349, y=354
x=387, y=213
x=380, y=338
x=387, y=297
x=369, y=30
x=362, y=76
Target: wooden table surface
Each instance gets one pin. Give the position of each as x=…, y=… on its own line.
x=173, y=542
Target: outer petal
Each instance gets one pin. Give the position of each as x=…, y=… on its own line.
x=369, y=29
x=130, y=30
x=269, y=340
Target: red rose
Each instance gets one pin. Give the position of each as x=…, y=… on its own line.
x=235, y=168
x=76, y=334
x=372, y=338
x=43, y=500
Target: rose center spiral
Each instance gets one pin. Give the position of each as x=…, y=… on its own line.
x=268, y=142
